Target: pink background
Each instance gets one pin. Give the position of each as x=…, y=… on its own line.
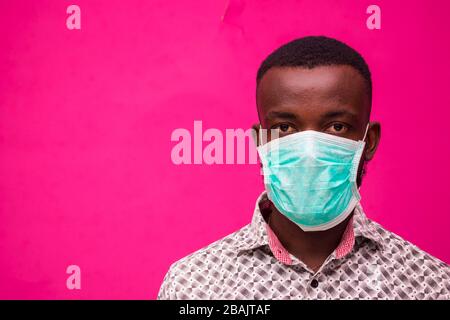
x=86, y=118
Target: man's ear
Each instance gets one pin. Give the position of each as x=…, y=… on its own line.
x=255, y=128
x=372, y=140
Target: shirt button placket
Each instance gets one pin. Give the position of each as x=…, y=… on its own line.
x=318, y=286
x=313, y=287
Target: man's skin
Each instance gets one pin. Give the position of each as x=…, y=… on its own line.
x=329, y=99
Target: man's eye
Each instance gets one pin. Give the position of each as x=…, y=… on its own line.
x=284, y=127
x=337, y=128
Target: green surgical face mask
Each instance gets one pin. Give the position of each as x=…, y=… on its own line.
x=310, y=177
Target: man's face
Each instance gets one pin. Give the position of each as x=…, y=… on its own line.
x=329, y=99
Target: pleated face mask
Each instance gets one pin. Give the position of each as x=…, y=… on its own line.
x=310, y=177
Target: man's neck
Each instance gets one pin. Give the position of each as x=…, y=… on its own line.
x=312, y=248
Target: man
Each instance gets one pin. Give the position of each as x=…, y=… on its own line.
x=309, y=237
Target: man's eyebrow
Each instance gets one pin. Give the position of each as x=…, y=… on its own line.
x=280, y=114
x=338, y=113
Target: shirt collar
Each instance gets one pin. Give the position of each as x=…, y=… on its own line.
x=363, y=228
x=257, y=235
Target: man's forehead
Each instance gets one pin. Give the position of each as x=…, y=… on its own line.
x=336, y=84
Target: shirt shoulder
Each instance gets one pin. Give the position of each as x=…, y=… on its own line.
x=413, y=267
x=202, y=271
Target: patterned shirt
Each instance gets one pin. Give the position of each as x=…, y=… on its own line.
x=251, y=263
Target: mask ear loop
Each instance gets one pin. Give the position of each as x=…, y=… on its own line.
x=365, y=133
x=363, y=140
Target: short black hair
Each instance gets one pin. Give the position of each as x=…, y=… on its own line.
x=315, y=51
